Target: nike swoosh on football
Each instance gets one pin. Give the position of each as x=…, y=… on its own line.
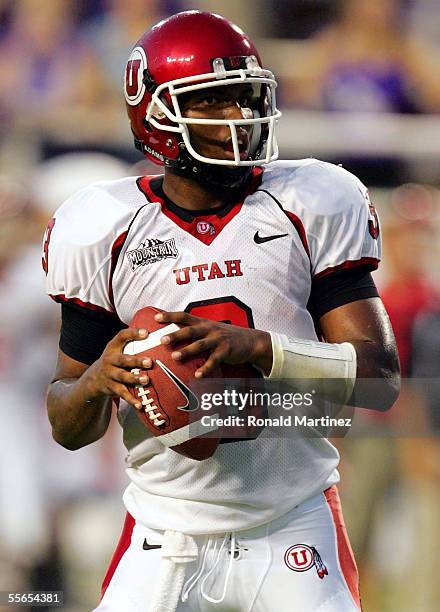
x=192, y=401
x=147, y=546
x=260, y=239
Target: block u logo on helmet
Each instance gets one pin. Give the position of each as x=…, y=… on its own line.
x=134, y=87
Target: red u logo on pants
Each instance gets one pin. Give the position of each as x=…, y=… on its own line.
x=299, y=558
x=303, y=560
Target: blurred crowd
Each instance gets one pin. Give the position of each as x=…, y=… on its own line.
x=61, y=64
x=364, y=56
x=63, y=126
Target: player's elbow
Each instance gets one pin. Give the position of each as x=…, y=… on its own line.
x=379, y=389
x=65, y=442
x=390, y=374
x=379, y=393
x=73, y=440
x=390, y=391
x=378, y=384
x=61, y=434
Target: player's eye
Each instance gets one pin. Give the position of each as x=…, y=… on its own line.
x=210, y=100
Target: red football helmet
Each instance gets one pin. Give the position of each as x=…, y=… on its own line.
x=188, y=52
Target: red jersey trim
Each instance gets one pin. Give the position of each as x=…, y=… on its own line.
x=116, y=251
x=364, y=261
x=345, y=553
x=217, y=223
x=191, y=227
x=62, y=298
x=121, y=549
x=295, y=220
x=143, y=183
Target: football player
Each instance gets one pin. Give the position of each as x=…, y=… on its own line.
x=279, y=250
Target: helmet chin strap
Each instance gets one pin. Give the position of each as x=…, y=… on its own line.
x=210, y=175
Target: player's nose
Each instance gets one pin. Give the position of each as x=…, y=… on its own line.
x=235, y=111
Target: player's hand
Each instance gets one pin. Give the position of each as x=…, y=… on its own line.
x=225, y=343
x=111, y=374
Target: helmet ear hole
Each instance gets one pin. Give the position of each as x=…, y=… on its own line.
x=148, y=81
x=147, y=125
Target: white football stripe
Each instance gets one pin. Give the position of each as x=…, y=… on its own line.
x=187, y=432
x=139, y=346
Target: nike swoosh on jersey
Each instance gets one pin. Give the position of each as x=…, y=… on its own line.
x=192, y=401
x=147, y=546
x=261, y=239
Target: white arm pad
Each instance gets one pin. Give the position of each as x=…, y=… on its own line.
x=333, y=364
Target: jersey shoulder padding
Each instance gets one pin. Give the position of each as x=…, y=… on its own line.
x=340, y=223
x=82, y=239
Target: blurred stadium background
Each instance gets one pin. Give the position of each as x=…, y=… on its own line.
x=359, y=85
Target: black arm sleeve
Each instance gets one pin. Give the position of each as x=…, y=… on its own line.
x=85, y=333
x=339, y=288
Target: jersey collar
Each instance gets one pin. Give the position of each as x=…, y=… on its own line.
x=205, y=225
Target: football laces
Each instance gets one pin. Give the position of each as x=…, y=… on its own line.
x=148, y=404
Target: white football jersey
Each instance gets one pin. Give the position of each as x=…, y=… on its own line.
x=117, y=247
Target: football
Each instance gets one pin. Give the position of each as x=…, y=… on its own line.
x=170, y=409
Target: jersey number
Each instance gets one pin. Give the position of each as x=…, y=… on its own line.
x=231, y=310
x=373, y=223
x=228, y=309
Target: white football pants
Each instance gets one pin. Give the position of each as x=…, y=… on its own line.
x=300, y=562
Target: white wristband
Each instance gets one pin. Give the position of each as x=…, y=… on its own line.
x=333, y=364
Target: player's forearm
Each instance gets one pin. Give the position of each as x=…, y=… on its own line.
x=78, y=416
x=360, y=373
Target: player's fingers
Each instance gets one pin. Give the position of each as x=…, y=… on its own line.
x=212, y=362
x=131, y=361
x=125, y=335
x=176, y=317
x=186, y=333
x=121, y=390
x=195, y=348
x=135, y=377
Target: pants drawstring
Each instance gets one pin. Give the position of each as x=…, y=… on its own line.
x=192, y=580
x=228, y=572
